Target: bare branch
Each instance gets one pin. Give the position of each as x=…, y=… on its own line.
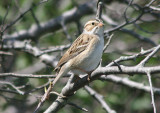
x=154, y=8
x=139, y=37
x=27, y=47
x=66, y=31
x=10, y=91
x=150, y=3
x=129, y=83
x=124, y=58
x=152, y=93
x=20, y=16
x=100, y=99
x=143, y=62
x=99, y=10
x=125, y=12
x=69, y=90
x=34, y=17
x=5, y=53
x=13, y=86
x=108, y=42
x=76, y=106
x=52, y=25
x=25, y=75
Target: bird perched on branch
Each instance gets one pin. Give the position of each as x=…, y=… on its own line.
x=82, y=57
x=85, y=53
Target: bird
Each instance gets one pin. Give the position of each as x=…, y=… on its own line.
x=84, y=55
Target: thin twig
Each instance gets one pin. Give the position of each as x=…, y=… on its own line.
x=143, y=62
x=125, y=12
x=99, y=10
x=100, y=99
x=152, y=93
x=35, y=18
x=154, y=8
x=13, y=86
x=21, y=15
x=65, y=30
x=5, y=53
x=150, y=3
x=76, y=106
x=108, y=42
x=133, y=57
x=138, y=36
x=34, y=32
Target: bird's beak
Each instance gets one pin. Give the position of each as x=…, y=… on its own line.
x=100, y=24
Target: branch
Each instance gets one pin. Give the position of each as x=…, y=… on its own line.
x=5, y=53
x=76, y=106
x=108, y=42
x=139, y=37
x=99, y=10
x=143, y=62
x=22, y=14
x=69, y=90
x=129, y=83
x=127, y=22
x=25, y=75
x=13, y=86
x=35, y=31
x=133, y=57
x=29, y=75
x=27, y=47
x=100, y=99
x=152, y=93
x=154, y=8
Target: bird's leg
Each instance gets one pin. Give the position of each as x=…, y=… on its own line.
x=89, y=76
x=89, y=73
x=45, y=89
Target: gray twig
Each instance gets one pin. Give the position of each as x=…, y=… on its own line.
x=152, y=92
x=100, y=99
x=108, y=42
x=143, y=62
x=65, y=30
x=124, y=58
x=34, y=32
x=13, y=86
x=26, y=75
x=21, y=16
x=76, y=106
x=129, y=83
x=99, y=10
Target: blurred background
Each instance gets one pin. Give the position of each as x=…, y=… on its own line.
x=143, y=34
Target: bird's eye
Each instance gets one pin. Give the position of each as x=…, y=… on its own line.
x=92, y=23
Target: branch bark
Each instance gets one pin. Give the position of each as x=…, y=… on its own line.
x=35, y=31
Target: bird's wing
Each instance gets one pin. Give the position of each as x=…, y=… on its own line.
x=78, y=46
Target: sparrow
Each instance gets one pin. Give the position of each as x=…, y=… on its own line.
x=84, y=55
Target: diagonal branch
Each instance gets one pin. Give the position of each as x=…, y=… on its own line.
x=100, y=99
x=144, y=61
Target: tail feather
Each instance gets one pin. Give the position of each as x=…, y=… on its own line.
x=62, y=72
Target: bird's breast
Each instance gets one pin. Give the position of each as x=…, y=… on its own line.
x=91, y=56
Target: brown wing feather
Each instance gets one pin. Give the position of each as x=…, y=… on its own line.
x=78, y=46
